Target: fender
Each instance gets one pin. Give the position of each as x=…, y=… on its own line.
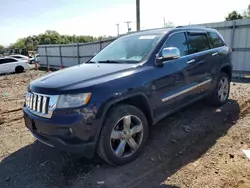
x=226, y=65
x=106, y=106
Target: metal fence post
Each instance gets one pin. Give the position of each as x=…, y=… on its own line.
x=46, y=55
x=100, y=45
x=60, y=53
x=78, y=54
x=233, y=34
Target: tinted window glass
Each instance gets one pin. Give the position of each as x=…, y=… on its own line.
x=177, y=40
x=18, y=57
x=198, y=43
x=215, y=40
x=128, y=49
x=8, y=60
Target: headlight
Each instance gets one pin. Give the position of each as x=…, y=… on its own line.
x=75, y=100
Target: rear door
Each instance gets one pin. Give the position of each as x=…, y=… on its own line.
x=199, y=47
x=220, y=50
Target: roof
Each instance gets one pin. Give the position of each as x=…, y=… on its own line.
x=8, y=57
x=165, y=30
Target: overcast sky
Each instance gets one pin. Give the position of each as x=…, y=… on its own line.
x=98, y=17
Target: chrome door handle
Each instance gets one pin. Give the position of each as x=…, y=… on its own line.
x=214, y=54
x=191, y=61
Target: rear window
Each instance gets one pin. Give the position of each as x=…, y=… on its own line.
x=215, y=40
x=198, y=42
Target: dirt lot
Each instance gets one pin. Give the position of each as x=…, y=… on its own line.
x=198, y=147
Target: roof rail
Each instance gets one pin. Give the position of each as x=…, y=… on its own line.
x=201, y=26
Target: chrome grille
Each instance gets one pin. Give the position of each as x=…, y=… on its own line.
x=42, y=105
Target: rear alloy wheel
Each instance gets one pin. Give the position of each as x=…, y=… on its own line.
x=123, y=136
x=221, y=91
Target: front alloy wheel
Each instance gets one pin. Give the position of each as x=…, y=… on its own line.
x=126, y=136
x=123, y=136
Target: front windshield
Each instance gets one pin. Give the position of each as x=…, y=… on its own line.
x=129, y=49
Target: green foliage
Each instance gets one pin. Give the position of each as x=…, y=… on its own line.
x=246, y=14
x=52, y=37
x=1, y=49
x=234, y=16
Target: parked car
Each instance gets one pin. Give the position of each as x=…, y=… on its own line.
x=30, y=59
x=10, y=64
x=19, y=56
x=108, y=104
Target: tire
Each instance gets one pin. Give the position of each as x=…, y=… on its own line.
x=119, y=116
x=216, y=98
x=19, y=69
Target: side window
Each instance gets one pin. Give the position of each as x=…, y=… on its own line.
x=18, y=57
x=1, y=61
x=8, y=60
x=198, y=42
x=215, y=40
x=179, y=41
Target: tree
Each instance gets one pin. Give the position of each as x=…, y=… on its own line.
x=2, y=49
x=234, y=16
x=52, y=37
x=246, y=14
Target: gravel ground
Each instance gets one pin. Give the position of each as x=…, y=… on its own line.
x=198, y=147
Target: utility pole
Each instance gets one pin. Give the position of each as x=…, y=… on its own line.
x=128, y=22
x=164, y=22
x=138, y=19
x=117, y=25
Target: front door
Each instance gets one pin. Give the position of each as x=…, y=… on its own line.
x=176, y=79
x=4, y=66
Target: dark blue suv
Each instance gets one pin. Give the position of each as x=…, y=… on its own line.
x=108, y=104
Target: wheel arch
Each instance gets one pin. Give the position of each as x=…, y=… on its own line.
x=228, y=70
x=138, y=99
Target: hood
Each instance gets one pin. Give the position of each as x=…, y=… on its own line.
x=84, y=74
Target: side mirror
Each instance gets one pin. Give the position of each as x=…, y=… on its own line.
x=168, y=54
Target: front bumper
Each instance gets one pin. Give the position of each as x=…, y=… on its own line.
x=71, y=132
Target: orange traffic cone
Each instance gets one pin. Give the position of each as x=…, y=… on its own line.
x=61, y=67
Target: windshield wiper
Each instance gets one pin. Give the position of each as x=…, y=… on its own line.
x=110, y=61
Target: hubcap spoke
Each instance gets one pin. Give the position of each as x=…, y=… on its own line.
x=223, y=83
x=127, y=123
x=136, y=129
x=222, y=96
x=121, y=148
x=132, y=143
x=116, y=134
x=223, y=89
